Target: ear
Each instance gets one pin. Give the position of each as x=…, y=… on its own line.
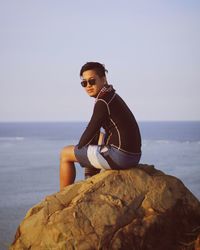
x=104, y=80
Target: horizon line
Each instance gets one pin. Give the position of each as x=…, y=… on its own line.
x=84, y=121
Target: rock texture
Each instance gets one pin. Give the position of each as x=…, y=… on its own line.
x=140, y=208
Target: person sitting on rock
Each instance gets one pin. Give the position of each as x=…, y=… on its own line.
x=121, y=146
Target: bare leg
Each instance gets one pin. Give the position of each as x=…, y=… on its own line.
x=67, y=168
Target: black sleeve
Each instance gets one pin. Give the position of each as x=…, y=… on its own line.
x=99, y=115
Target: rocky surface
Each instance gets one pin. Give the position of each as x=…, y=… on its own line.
x=141, y=208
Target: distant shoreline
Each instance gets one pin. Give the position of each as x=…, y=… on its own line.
x=139, y=121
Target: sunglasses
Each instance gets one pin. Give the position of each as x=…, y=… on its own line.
x=90, y=81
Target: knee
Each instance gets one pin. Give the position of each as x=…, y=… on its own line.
x=65, y=154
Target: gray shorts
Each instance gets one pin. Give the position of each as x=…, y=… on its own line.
x=106, y=157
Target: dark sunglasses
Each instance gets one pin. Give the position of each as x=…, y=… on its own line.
x=90, y=81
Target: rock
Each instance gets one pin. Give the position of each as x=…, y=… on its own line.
x=140, y=208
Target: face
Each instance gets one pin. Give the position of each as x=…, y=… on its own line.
x=93, y=90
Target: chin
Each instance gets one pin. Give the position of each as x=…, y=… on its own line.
x=92, y=94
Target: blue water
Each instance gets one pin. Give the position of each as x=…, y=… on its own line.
x=29, y=161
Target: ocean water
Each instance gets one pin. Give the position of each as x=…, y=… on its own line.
x=29, y=161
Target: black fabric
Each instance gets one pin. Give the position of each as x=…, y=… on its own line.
x=112, y=113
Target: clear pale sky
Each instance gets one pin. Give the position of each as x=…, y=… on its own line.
x=150, y=48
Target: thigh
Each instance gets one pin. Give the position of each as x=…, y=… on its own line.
x=90, y=156
x=118, y=159
x=67, y=153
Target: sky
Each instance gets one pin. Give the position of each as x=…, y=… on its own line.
x=150, y=48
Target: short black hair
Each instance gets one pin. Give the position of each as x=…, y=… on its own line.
x=96, y=66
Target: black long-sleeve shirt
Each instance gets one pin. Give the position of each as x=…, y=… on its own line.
x=112, y=113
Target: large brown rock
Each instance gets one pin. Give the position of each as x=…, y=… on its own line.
x=140, y=208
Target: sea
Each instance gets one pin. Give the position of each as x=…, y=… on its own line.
x=30, y=152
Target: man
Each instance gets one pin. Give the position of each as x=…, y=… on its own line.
x=121, y=148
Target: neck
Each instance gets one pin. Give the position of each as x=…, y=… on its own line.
x=105, y=89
